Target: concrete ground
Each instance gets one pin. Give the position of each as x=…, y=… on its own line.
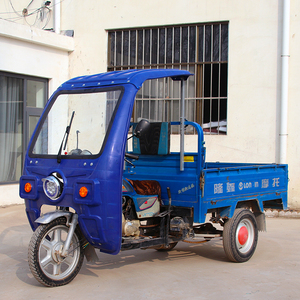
x=187, y=272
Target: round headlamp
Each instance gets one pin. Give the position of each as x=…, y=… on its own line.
x=52, y=187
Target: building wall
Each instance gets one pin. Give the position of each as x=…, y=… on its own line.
x=294, y=107
x=255, y=29
x=33, y=52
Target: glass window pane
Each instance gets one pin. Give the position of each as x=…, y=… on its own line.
x=146, y=89
x=162, y=45
x=223, y=109
x=208, y=43
x=169, y=45
x=138, y=109
x=132, y=47
x=147, y=47
x=223, y=80
x=207, y=80
x=112, y=49
x=216, y=44
x=154, y=46
x=35, y=93
x=153, y=110
x=161, y=88
x=154, y=88
x=11, y=128
x=176, y=44
x=91, y=113
x=192, y=44
x=125, y=47
x=32, y=124
x=190, y=110
x=181, y=46
x=140, y=47
x=191, y=83
x=175, y=110
x=160, y=110
x=184, y=44
x=200, y=43
x=215, y=80
x=215, y=110
x=118, y=48
x=145, y=109
x=176, y=89
x=224, y=42
x=206, y=111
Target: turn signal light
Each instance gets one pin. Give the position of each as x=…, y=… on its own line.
x=83, y=192
x=27, y=187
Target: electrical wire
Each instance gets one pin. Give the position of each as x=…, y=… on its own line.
x=29, y=3
x=14, y=9
x=43, y=14
x=49, y=16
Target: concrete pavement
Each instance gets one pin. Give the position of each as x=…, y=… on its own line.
x=188, y=272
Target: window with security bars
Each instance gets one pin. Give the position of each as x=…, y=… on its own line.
x=201, y=49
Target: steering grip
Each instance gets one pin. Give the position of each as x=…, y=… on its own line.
x=129, y=155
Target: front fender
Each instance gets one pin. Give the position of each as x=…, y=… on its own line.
x=50, y=216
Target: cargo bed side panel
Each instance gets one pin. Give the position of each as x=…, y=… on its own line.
x=225, y=187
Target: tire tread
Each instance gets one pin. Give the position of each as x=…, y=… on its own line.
x=33, y=255
x=229, y=236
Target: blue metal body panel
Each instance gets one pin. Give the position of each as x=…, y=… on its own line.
x=134, y=77
x=203, y=186
x=210, y=186
x=100, y=213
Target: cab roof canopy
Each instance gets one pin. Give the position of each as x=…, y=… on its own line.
x=133, y=76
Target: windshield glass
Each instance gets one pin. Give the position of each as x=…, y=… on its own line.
x=76, y=124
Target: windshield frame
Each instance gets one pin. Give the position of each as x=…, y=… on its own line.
x=50, y=104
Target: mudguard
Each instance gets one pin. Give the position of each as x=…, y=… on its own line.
x=50, y=216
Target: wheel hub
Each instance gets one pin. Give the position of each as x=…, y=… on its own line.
x=243, y=235
x=56, y=253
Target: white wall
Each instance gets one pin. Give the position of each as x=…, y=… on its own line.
x=293, y=154
x=34, y=52
x=253, y=60
x=253, y=75
x=37, y=15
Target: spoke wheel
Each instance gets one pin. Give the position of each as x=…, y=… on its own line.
x=240, y=236
x=46, y=263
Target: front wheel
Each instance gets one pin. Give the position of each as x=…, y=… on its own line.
x=240, y=236
x=45, y=261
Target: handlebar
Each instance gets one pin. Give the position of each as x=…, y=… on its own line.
x=129, y=155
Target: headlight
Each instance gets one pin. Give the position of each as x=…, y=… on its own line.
x=52, y=187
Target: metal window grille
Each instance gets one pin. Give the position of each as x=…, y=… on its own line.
x=201, y=49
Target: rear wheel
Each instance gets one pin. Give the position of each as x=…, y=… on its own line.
x=44, y=254
x=240, y=236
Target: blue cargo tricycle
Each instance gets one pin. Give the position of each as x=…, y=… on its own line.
x=115, y=185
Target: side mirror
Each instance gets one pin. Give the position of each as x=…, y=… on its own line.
x=141, y=127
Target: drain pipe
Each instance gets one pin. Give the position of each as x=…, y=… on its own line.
x=283, y=132
x=56, y=21
x=182, y=119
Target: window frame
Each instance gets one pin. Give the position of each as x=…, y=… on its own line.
x=140, y=48
x=28, y=111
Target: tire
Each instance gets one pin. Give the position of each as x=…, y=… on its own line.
x=164, y=248
x=46, y=265
x=240, y=236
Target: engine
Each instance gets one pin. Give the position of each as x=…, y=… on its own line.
x=140, y=220
x=130, y=226
x=139, y=209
